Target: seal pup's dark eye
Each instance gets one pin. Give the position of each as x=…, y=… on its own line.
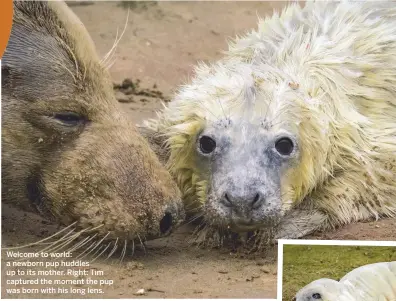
x=284, y=146
x=316, y=296
x=69, y=118
x=207, y=144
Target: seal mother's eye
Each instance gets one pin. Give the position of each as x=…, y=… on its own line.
x=69, y=118
x=316, y=296
x=206, y=144
x=284, y=146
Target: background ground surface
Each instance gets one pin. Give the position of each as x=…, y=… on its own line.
x=304, y=264
x=161, y=44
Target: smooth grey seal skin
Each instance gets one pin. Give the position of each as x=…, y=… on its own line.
x=67, y=147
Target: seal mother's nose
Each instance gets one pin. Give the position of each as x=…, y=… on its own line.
x=166, y=223
x=173, y=215
x=252, y=200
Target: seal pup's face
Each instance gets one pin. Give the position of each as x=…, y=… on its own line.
x=245, y=159
x=246, y=145
x=246, y=162
x=323, y=290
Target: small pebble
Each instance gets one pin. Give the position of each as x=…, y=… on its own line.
x=140, y=292
x=265, y=270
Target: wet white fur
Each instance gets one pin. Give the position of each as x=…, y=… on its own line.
x=373, y=282
x=327, y=73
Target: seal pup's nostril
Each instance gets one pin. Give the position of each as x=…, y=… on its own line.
x=166, y=223
x=226, y=200
x=256, y=201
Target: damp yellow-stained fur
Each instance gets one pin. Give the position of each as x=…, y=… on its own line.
x=325, y=73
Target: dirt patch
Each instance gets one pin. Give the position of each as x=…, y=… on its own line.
x=130, y=91
x=162, y=43
x=381, y=230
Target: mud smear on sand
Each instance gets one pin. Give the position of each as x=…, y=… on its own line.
x=131, y=91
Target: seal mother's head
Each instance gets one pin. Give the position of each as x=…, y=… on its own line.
x=67, y=147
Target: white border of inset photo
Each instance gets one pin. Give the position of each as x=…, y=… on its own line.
x=282, y=242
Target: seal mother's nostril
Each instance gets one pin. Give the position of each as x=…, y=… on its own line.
x=166, y=223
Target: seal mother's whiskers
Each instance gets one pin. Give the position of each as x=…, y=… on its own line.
x=106, y=60
x=87, y=244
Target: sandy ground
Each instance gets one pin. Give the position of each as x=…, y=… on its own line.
x=161, y=44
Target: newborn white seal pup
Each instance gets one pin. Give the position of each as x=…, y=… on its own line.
x=295, y=128
x=373, y=282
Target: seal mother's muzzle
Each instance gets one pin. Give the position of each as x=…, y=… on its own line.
x=173, y=217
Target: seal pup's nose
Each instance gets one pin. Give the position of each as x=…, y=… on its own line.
x=238, y=202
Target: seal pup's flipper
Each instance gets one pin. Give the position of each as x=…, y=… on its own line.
x=299, y=223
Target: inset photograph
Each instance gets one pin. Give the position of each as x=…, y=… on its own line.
x=339, y=272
